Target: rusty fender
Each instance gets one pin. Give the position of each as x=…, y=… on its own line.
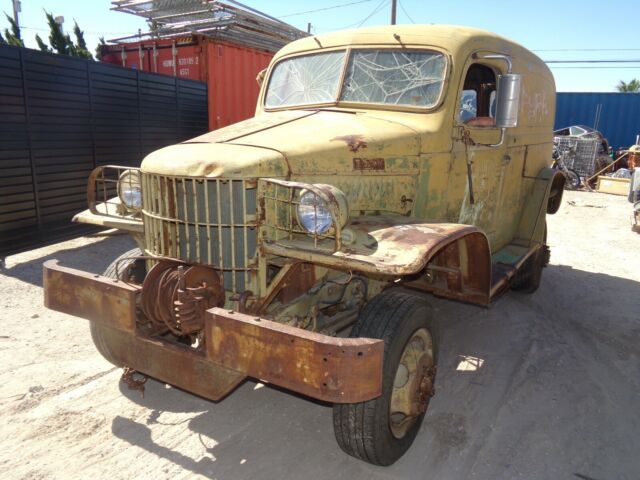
x=388, y=244
x=339, y=370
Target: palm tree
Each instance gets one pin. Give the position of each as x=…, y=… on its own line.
x=631, y=87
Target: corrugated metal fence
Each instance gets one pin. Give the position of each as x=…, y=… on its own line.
x=616, y=115
x=60, y=117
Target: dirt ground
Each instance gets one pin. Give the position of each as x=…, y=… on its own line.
x=542, y=386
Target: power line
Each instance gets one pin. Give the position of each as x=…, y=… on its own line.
x=592, y=61
x=325, y=8
x=603, y=68
x=360, y=22
x=586, y=50
x=380, y=6
x=405, y=12
x=85, y=31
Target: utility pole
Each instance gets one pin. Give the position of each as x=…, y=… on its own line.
x=16, y=10
x=309, y=27
x=60, y=20
x=393, y=11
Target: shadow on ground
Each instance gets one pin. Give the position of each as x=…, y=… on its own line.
x=94, y=257
x=537, y=386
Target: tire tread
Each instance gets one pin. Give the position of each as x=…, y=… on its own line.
x=354, y=424
x=98, y=332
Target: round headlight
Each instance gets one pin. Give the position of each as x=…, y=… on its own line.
x=313, y=214
x=129, y=189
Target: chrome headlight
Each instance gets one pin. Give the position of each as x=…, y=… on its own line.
x=129, y=189
x=315, y=216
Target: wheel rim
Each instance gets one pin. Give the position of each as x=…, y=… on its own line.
x=413, y=383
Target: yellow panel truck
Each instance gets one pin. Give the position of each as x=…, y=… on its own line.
x=383, y=166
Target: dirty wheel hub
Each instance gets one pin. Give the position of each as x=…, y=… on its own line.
x=413, y=383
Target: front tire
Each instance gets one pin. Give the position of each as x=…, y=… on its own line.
x=381, y=430
x=122, y=268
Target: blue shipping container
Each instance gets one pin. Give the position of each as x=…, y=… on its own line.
x=616, y=115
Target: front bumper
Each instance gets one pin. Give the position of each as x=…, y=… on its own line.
x=339, y=370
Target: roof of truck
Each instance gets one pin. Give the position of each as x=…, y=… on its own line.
x=458, y=41
x=449, y=37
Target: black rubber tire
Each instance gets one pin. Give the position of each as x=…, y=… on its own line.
x=121, y=264
x=528, y=278
x=573, y=179
x=99, y=334
x=362, y=429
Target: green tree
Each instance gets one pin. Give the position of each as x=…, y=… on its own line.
x=80, y=48
x=629, y=87
x=60, y=42
x=2, y=40
x=41, y=45
x=13, y=37
x=99, y=47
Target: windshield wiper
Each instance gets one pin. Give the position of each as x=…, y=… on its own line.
x=331, y=109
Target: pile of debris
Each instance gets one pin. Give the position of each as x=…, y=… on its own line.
x=226, y=21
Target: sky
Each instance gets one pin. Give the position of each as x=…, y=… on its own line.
x=554, y=30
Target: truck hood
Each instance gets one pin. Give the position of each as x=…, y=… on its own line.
x=292, y=143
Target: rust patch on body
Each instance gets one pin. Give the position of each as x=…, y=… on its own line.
x=362, y=164
x=354, y=142
x=300, y=281
x=341, y=370
x=104, y=300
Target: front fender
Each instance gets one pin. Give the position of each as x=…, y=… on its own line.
x=452, y=260
x=383, y=244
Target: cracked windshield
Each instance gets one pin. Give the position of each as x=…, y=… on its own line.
x=305, y=80
x=384, y=77
x=397, y=78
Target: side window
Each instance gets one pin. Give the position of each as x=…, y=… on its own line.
x=477, y=102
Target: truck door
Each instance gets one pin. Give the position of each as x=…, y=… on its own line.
x=475, y=180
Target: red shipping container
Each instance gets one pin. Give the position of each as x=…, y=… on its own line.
x=229, y=70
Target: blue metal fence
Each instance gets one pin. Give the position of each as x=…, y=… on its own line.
x=616, y=115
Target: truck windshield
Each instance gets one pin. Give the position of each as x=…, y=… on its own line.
x=406, y=78
x=305, y=80
x=396, y=78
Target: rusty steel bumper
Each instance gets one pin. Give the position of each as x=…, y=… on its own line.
x=339, y=370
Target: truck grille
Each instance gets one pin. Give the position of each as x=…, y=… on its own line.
x=208, y=221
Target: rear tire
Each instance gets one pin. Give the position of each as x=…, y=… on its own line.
x=370, y=430
x=125, y=270
x=529, y=276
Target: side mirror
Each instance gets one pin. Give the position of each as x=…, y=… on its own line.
x=260, y=76
x=508, y=100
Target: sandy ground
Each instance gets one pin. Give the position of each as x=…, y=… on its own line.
x=557, y=395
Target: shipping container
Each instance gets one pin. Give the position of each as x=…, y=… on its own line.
x=229, y=70
x=616, y=115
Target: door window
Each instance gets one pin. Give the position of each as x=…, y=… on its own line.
x=477, y=102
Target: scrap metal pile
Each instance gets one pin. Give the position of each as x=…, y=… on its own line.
x=229, y=20
x=580, y=152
